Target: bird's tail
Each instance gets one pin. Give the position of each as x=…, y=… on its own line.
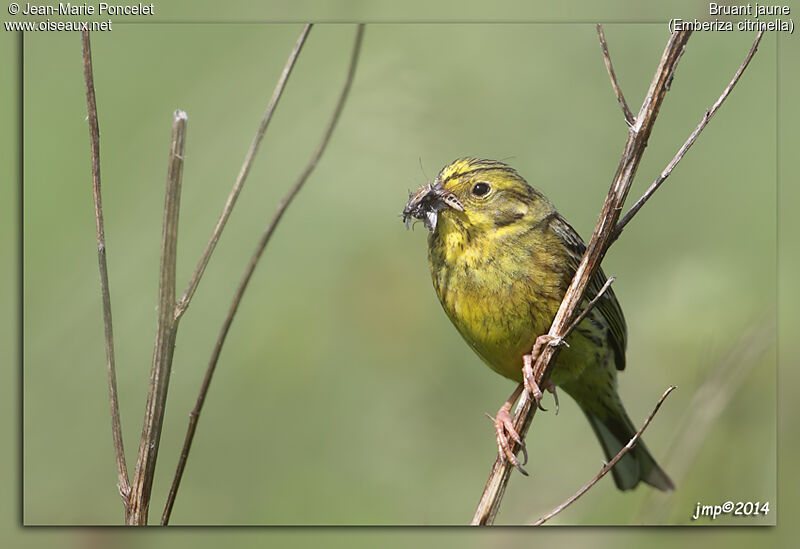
x=614, y=432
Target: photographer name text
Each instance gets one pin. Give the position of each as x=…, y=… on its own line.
x=102, y=8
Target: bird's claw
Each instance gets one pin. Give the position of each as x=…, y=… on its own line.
x=528, y=376
x=536, y=393
x=504, y=428
x=552, y=389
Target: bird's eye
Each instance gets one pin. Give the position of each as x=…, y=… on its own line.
x=481, y=189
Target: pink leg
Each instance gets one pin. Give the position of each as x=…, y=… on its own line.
x=528, y=377
x=504, y=428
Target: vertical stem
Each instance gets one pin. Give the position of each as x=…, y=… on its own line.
x=194, y=415
x=94, y=133
x=601, y=239
x=165, y=332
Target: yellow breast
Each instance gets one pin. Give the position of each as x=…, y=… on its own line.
x=495, y=295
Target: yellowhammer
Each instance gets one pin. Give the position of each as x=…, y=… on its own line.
x=501, y=259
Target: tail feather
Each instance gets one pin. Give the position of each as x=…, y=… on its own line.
x=638, y=464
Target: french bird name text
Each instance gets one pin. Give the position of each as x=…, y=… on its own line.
x=753, y=10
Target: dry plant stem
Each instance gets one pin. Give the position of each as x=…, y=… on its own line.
x=94, y=133
x=689, y=142
x=607, y=467
x=194, y=415
x=613, y=76
x=589, y=306
x=194, y=280
x=606, y=231
x=165, y=332
x=595, y=251
x=708, y=404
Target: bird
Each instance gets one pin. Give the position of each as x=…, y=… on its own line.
x=501, y=258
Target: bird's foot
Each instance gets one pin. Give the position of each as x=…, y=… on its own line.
x=528, y=376
x=506, y=434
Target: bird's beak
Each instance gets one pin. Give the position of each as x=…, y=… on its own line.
x=427, y=202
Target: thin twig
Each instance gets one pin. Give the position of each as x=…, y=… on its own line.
x=605, y=232
x=94, y=133
x=708, y=404
x=689, y=142
x=589, y=307
x=194, y=415
x=590, y=263
x=612, y=75
x=607, y=467
x=165, y=331
x=194, y=280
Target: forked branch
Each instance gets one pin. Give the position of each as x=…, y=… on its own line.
x=136, y=495
x=605, y=232
x=595, y=251
x=689, y=142
x=166, y=329
x=194, y=415
x=170, y=311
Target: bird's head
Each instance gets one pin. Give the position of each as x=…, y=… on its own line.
x=476, y=196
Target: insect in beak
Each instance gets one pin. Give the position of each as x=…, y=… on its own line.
x=427, y=202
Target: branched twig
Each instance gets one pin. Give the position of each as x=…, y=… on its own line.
x=194, y=280
x=595, y=251
x=282, y=206
x=605, y=232
x=170, y=311
x=165, y=332
x=612, y=75
x=94, y=132
x=607, y=467
x=689, y=142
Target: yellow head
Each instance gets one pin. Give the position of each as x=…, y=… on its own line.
x=476, y=196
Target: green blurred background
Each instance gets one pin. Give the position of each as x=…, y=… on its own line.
x=343, y=395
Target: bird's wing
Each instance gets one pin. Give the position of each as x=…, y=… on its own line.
x=608, y=306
